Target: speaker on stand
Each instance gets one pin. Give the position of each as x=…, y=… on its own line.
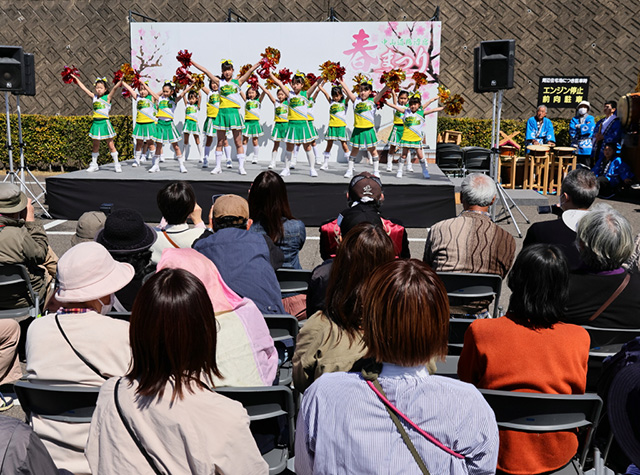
x=493, y=71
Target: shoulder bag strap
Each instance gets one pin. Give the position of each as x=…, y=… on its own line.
x=614, y=296
x=130, y=430
x=171, y=241
x=82, y=358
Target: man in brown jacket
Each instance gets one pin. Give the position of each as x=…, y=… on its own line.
x=22, y=241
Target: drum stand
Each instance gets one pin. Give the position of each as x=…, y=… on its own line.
x=495, y=156
x=12, y=176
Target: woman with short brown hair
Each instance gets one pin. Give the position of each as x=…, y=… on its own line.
x=344, y=425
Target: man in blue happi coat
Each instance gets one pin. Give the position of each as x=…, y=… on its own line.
x=608, y=130
x=581, y=130
x=540, y=129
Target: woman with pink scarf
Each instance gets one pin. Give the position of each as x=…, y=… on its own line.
x=245, y=354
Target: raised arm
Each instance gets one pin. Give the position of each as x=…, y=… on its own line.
x=429, y=102
x=431, y=111
x=326, y=94
x=155, y=95
x=199, y=99
x=131, y=90
x=206, y=72
x=269, y=95
x=381, y=93
x=314, y=95
x=278, y=83
x=313, y=87
x=82, y=86
x=394, y=96
x=396, y=106
x=184, y=92
x=264, y=92
x=246, y=75
x=243, y=95
x=113, y=90
x=347, y=91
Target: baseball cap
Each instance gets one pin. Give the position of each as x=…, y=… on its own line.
x=365, y=187
x=230, y=205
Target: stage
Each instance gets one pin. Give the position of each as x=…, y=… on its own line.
x=412, y=199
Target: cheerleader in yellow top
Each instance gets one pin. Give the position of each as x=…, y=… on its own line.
x=228, y=117
x=209, y=129
x=413, y=131
x=192, y=103
x=145, y=127
x=252, y=127
x=281, y=113
x=364, y=133
x=396, y=132
x=101, y=128
x=337, y=122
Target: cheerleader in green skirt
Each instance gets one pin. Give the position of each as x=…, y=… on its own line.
x=101, y=128
x=364, y=132
x=396, y=132
x=145, y=126
x=252, y=128
x=192, y=107
x=165, y=129
x=298, y=131
x=337, y=122
x=228, y=118
x=280, y=127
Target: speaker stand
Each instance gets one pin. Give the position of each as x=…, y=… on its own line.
x=495, y=156
x=12, y=176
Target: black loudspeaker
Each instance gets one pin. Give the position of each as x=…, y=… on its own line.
x=494, y=65
x=29, y=76
x=11, y=68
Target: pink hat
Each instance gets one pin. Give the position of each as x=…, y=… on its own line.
x=222, y=297
x=87, y=272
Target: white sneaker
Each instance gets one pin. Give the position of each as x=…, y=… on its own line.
x=376, y=174
x=313, y=172
x=399, y=174
x=254, y=159
x=229, y=164
x=205, y=163
x=136, y=163
x=285, y=172
x=390, y=166
x=118, y=168
x=183, y=169
x=409, y=167
x=349, y=174
x=325, y=166
x=293, y=164
x=143, y=159
x=272, y=165
x=319, y=160
x=93, y=168
x=154, y=169
x=216, y=171
x=161, y=158
x=242, y=171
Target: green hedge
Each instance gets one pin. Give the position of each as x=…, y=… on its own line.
x=477, y=132
x=61, y=143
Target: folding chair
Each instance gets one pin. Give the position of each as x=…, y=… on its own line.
x=284, y=331
x=15, y=280
x=476, y=160
x=449, y=158
x=473, y=287
x=448, y=367
x=126, y=316
x=540, y=413
x=457, y=329
x=62, y=403
x=264, y=403
x=293, y=281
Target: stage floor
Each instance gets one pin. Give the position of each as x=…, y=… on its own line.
x=412, y=199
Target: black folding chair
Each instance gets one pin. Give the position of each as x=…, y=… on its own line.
x=449, y=158
x=15, y=281
x=457, y=329
x=472, y=287
x=476, y=160
x=284, y=331
x=293, y=281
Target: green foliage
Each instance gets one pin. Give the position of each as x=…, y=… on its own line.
x=477, y=132
x=57, y=142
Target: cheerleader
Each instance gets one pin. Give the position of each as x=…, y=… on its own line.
x=101, y=128
x=396, y=132
x=192, y=107
x=228, y=117
x=413, y=133
x=145, y=128
x=281, y=112
x=298, y=130
x=165, y=128
x=252, y=127
x=364, y=132
x=337, y=122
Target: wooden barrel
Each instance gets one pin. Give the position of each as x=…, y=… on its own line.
x=629, y=109
x=538, y=150
x=564, y=151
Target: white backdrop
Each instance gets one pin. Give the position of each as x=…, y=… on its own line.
x=369, y=48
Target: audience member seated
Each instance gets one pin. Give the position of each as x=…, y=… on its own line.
x=22, y=452
x=471, y=242
x=164, y=415
x=319, y=281
x=624, y=400
x=177, y=203
x=497, y=354
x=246, y=260
x=79, y=344
x=10, y=369
x=269, y=209
x=22, y=241
x=88, y=226
x=343, y=421
x=332, y=340
x=602, y=293
x=245, y=353
x=540, y=129
x=364, y=189
x=577, y=193
x=128, y=239
x=612, y=172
